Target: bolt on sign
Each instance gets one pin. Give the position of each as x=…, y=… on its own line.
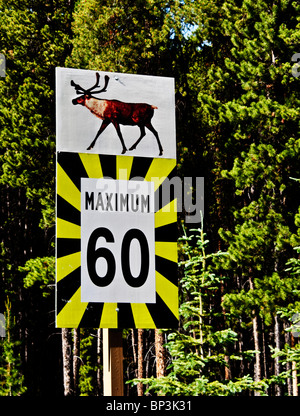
x=116, y=241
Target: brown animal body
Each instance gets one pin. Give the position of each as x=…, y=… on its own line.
x=117, y=112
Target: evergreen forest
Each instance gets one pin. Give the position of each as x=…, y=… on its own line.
x=237, y=96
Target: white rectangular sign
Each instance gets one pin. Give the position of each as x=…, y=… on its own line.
x=114, y=113
x=117, y=241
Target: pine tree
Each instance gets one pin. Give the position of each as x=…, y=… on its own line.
x=201, y=348
x=11, y=381
x=34, y=38
x=250, y=108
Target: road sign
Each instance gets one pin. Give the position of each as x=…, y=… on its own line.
x=115, y=236
x=117, y=241
x=136, y=109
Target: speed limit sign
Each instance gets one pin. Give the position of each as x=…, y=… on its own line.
x=117, y=241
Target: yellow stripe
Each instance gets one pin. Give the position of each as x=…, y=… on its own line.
x=166, y=214
x=65, y=265
x=168, y=250
x=66, y=229
x=66, y=188
x=109, y=318
x=168, y=292
x=124, y=164
x=159, y=170
x=92, y=165
x=70, y=316
x=141, y=315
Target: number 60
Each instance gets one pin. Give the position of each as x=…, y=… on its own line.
x=94, y=254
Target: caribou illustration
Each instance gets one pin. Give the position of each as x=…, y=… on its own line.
x=116, y=112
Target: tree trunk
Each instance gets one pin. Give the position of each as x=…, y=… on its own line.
x=288, y=364
x=240, y=349
x=99, y=372
x=227, y=368
x=294, y=370
x=76, y=362
x=294, y=374
x=67, y=361
x=160, y=353
x=264, y=354
x=257, y=367
x=277, y=346
x=140, y=386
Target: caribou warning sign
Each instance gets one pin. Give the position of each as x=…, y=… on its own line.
x=116, y=237
x=113, y=113
x=117, y=241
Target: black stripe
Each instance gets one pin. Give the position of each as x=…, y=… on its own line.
x=162, y=316
x=72, y=165
x=66, y=246
x=168, y=232
x=165, y=193
x=66, y=211
x=66, y=288
x=109, y=166
x=125, y=316
x=92, y=315
x=167, y=268
x=140, y=167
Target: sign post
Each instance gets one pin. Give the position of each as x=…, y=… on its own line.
x=116, y=237
x=113, y=362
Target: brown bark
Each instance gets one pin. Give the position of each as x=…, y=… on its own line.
x=67, y=361
x=99, y=372
x=160, y=354
x=294, y=370
x=287, y=340
x=257, y=366
x=264, y=354
x=140, y=386
x=277, y=345
x=76, y=359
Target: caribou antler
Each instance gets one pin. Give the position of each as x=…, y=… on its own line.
x=97, y=83
x=80, y=90
x=106, y=79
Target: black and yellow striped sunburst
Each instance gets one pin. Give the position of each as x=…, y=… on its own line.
x=70, y=311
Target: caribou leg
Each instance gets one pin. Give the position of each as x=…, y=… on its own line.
x=143, y=133
x=151, y=128
x=103, y=126
x=117, y=127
